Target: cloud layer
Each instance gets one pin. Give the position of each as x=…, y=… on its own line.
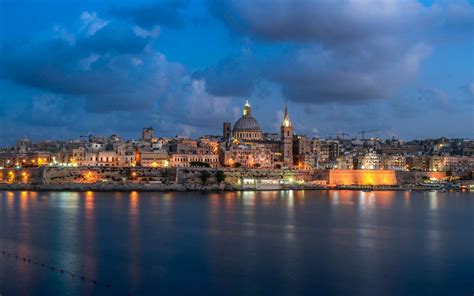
x=118, y=66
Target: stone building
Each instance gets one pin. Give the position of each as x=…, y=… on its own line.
x=248, y=156
x=286, y=133
x=185, y=160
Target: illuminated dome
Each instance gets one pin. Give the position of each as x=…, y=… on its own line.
x=247, y=127
x=247, y=123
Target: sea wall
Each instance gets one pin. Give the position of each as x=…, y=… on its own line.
x=417, y=177
x=362, y=177
x=192, y=177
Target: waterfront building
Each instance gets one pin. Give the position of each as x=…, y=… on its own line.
x=108, y=158
x=417, y=163
x=345, y=162
x=459, y=165
x=248, y=156
x=186, y=160
x=147, y=134
x=395, y=162
x=437, y=163
x=154, y=159
x=326, y=150
x=369, y=161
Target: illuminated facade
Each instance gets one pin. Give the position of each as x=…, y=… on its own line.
x=395, y=162
x=153, y=159
x=185, y=160
x=248, y=156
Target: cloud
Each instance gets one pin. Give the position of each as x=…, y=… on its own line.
x=325, y=21
x=470, y=89
x=163, y=13
x=91, y=23
x=335, y=51
x=190, y=104
x=233, y=76
x=108, y=65
x=50, y=110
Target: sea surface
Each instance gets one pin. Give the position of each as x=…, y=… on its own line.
x=237, y=243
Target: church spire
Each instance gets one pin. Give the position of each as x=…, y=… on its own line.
x=286, y=120
x=247, y=109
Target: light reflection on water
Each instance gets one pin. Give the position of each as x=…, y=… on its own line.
x=271, y=242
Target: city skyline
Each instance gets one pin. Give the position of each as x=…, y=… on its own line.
x=184, y=67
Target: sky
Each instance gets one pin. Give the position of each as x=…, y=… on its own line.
x=70, y=68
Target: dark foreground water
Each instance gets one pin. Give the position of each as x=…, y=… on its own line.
x=238, y=243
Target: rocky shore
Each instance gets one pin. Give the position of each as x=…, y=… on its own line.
x=114, y=187
x=189, y=187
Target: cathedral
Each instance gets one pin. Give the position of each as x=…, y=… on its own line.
x=249, y=146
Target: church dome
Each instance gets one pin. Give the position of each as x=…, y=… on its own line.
x=247, y=123
x=247, y=127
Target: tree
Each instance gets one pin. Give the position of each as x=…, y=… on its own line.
x=199, y=164
x=237, y=165
x=220, y=176
x=204, y=176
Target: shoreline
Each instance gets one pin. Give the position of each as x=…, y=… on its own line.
x=194, y=188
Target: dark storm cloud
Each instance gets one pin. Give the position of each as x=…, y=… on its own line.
x=350, y=75
x=165, y=13
x=106, y=63
x=343, y=51
x=315, y=74
x=232, y=76
x=322, y=20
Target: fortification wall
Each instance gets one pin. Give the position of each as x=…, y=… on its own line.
x=362, y=177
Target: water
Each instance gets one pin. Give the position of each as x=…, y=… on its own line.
x=238, y=243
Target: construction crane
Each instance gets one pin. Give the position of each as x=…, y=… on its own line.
x=343, y=135
x=337, y=135
x=366, y=132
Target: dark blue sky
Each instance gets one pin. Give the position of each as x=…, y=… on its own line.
x=70, y=68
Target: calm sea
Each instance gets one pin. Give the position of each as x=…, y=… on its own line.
x=237, y=243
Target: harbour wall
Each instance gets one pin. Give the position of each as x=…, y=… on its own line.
x=207, y=176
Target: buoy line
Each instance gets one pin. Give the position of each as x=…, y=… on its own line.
x=59, y=270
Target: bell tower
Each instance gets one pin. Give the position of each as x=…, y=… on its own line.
x=287, y=139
